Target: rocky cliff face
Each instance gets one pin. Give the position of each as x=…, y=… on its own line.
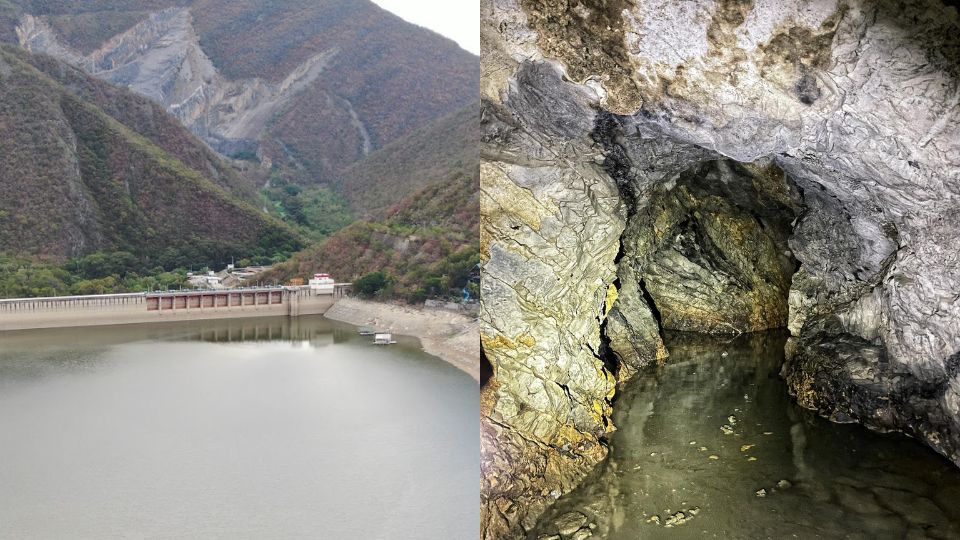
x=722, y=166
x=161, y=58
x=310, y=87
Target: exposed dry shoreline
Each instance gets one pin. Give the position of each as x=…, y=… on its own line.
x=450, y=336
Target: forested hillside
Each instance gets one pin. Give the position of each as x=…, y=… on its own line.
x=428, y=247
x=444, y=149
x=76, y=179
x=353, y=137
x=427, y=244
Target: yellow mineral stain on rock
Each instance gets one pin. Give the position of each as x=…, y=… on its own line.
x=485, y=240
x=612, y=384
x=568, y=434
x=498, y=341
x=598, y=407
x=612, y=295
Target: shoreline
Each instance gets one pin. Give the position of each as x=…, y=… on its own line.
x=452, y=337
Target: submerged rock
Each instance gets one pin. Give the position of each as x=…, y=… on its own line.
x=916, y=510
x=570, y=523
x=857, y=500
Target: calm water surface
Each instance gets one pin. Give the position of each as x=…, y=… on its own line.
x=259, y=428
x=703, y=434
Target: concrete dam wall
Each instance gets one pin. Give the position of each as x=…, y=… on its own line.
x=67, y=311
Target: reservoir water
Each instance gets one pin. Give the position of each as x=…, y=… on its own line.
x=710, y=445
x=258, y=428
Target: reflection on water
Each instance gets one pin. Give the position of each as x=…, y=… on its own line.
x=711, y=446
x=247, y=428
x=314, y=329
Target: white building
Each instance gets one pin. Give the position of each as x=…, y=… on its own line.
x=322, y=284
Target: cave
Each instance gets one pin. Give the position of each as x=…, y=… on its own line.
x=779, y=183
x=707, y=251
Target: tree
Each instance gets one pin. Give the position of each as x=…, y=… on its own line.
x=372, y=283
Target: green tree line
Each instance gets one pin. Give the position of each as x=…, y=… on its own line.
x=96, y=273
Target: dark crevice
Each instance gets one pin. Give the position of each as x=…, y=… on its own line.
x=607, y=129
x=616, y=163
x=610, y=359
x=648, y=298
x=486, y=369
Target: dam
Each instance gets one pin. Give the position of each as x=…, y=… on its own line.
x=164, y=306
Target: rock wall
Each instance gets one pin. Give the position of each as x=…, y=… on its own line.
x=550, y=232
x=592, y=114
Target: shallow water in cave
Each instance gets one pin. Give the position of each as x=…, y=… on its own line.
x=671, y=454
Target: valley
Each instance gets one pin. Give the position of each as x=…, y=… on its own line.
x=312, y=138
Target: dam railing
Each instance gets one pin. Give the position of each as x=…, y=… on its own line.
x=60, y=311
x=58, y=302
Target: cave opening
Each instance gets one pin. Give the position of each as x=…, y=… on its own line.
x=709, y=252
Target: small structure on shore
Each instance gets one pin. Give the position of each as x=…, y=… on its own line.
x=322, y=284
x=383, y=339
x=210, y=280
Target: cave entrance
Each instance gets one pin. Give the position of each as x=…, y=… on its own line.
x=707, y=252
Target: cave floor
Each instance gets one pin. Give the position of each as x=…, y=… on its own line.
x=701, y=436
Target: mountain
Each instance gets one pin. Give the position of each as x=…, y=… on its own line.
x=332, y=110
x=309, y=86
x=428, y=243
x=440, y=150
x=87, y=167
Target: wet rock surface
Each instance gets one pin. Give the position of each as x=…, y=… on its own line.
x=849, y=379
x=855, y=101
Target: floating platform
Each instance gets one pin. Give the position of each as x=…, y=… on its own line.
x=383, y=339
